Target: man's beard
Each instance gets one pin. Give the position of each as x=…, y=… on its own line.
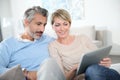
x=34, y=34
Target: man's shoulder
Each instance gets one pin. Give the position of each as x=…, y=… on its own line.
x=48, y=38
x=9, y=39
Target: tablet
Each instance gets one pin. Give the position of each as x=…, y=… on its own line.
x=92, y=57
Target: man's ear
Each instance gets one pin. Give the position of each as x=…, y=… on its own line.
x=26, y=22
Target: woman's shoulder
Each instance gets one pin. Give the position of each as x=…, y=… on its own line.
x=53, y=43
x=82, y=37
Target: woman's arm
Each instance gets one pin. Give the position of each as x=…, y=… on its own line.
x=72, y=73
x=54, y=53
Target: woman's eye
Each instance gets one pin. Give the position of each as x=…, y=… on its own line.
x=65, y=24
x=57, y=25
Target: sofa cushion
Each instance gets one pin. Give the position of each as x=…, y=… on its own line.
x=97, y=43
x=86, y=30
x=15, y=73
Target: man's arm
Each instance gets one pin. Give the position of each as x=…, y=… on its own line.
x=4, y=58
x=30, y=75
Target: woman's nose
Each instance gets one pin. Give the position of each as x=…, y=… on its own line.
x=62, y=27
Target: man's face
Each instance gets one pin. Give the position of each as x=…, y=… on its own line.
x=36, y=27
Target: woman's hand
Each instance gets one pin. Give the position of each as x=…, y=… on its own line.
x=71, y=74
x=105, y=62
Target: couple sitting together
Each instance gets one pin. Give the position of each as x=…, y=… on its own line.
x=32, y=47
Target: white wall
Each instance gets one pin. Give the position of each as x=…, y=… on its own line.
x=5, y=8
x=18, y=7
x=104, y=14
x=5, y=15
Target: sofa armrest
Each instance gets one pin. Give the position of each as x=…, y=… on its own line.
x=101, y=35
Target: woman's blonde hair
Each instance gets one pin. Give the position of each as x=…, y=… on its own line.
x=61, y=13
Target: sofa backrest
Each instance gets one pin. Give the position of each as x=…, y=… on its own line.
x=98, y=36
x=86, y=30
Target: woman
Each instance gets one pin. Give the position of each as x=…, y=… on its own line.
x=67, y=49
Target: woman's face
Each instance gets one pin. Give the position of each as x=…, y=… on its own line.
x=61, y=27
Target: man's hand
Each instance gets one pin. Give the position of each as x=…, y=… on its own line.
x=105, y=62
x=30, y=75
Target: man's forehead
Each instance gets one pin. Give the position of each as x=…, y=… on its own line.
x=40, y=18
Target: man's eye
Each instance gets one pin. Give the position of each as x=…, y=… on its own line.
x=45, y=24
x=38, y=23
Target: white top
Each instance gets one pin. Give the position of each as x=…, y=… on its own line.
x=69, y=55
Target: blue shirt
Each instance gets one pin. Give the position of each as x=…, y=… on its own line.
x=29, y=54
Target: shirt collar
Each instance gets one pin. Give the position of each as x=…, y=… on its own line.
x=21, y=39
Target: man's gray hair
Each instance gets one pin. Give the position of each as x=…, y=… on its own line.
x=29, y=13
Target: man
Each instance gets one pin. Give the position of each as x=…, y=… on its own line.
x=30, y=48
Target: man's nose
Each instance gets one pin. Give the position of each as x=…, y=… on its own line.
x=42, y=28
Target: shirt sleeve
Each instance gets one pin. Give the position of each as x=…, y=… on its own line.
x=88, y=42
x=4, y=57
x=55, y=54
